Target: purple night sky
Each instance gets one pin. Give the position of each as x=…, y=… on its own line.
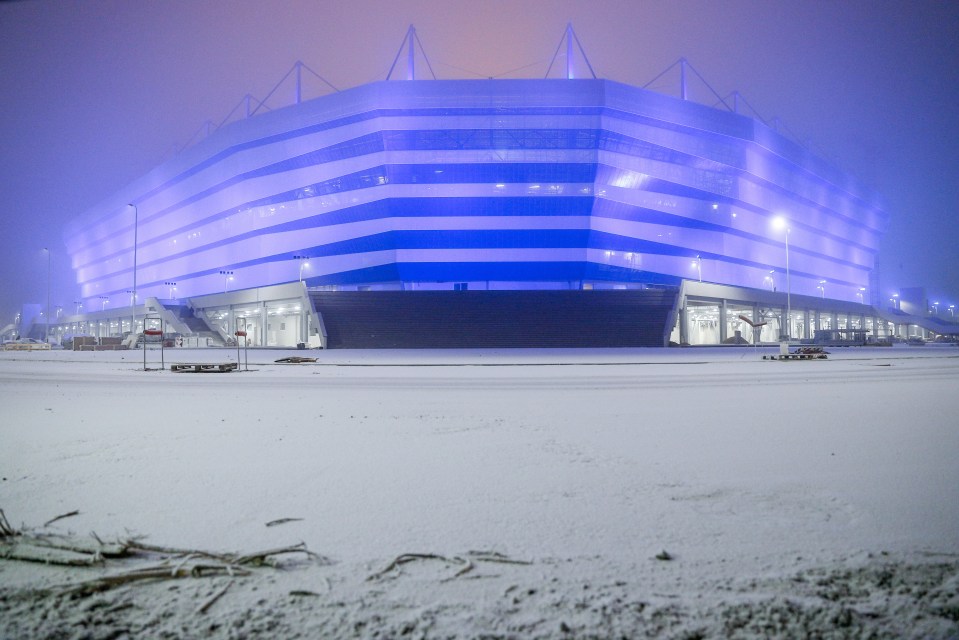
x=97, y=93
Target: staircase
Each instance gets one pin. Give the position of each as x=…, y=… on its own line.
x=197, y=326
x=495, y=319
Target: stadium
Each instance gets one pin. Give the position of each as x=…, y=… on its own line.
x=571, y=211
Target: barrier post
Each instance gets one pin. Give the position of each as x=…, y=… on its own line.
x=241, y=333
x=153, y=331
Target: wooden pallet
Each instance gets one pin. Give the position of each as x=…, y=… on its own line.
x=204, y=367
x=797, y=356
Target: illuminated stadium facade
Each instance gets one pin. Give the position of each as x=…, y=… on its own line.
x=489, y=185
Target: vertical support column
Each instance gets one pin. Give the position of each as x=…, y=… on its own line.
x=264, y=318
x=754, y=334
x=304, y=324
x=569, y=51
x=683, y=322
x=723, y=331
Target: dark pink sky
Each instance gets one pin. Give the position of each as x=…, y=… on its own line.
x=96, y=93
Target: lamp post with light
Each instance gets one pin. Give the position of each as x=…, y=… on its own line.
x=698, y=263
x=304, y=263
x=769, y=279
x=133, y=292
x=780, y=222
x=227, y=276
x=46, y=330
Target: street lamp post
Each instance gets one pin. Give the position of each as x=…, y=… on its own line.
x=46, y=330
x=304, y=262
x=952, y=310
x=133, y=294
x=822, y=288
x=781, y=222
x=79, y=304
x=227, y=276
x=103, y=302
x=172, y=286
x=698, y=263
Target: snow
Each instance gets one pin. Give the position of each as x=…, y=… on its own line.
x=766, y=482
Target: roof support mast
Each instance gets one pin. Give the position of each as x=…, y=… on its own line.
x=410, y=58
x=410, y=41
x=682, y=78
x=570, y=37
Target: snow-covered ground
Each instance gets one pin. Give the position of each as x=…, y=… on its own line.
x=686, y=492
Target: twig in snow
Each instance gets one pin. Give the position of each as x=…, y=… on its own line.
x=495, y=556
x=6, y=531
x=467, y=561
x=25, y=550
x=105, y=583
x=260, y=557
x=405, y=558
x=219, y=594
x=257, y=558
x=273, y=523
x=75, y=512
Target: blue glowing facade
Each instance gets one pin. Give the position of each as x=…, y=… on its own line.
x=500, y=184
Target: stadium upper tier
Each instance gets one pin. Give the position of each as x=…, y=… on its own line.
x=507, y=183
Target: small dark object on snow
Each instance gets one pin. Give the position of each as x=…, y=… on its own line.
x=295, y=360
x=61, y=517
x=273, y=523
x=664, y=555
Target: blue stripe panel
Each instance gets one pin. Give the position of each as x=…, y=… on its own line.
x=712, y=173
x=604, y=208
x=438, y=208
x=473, y=271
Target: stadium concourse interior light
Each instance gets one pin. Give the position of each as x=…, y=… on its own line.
x=782, y=223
